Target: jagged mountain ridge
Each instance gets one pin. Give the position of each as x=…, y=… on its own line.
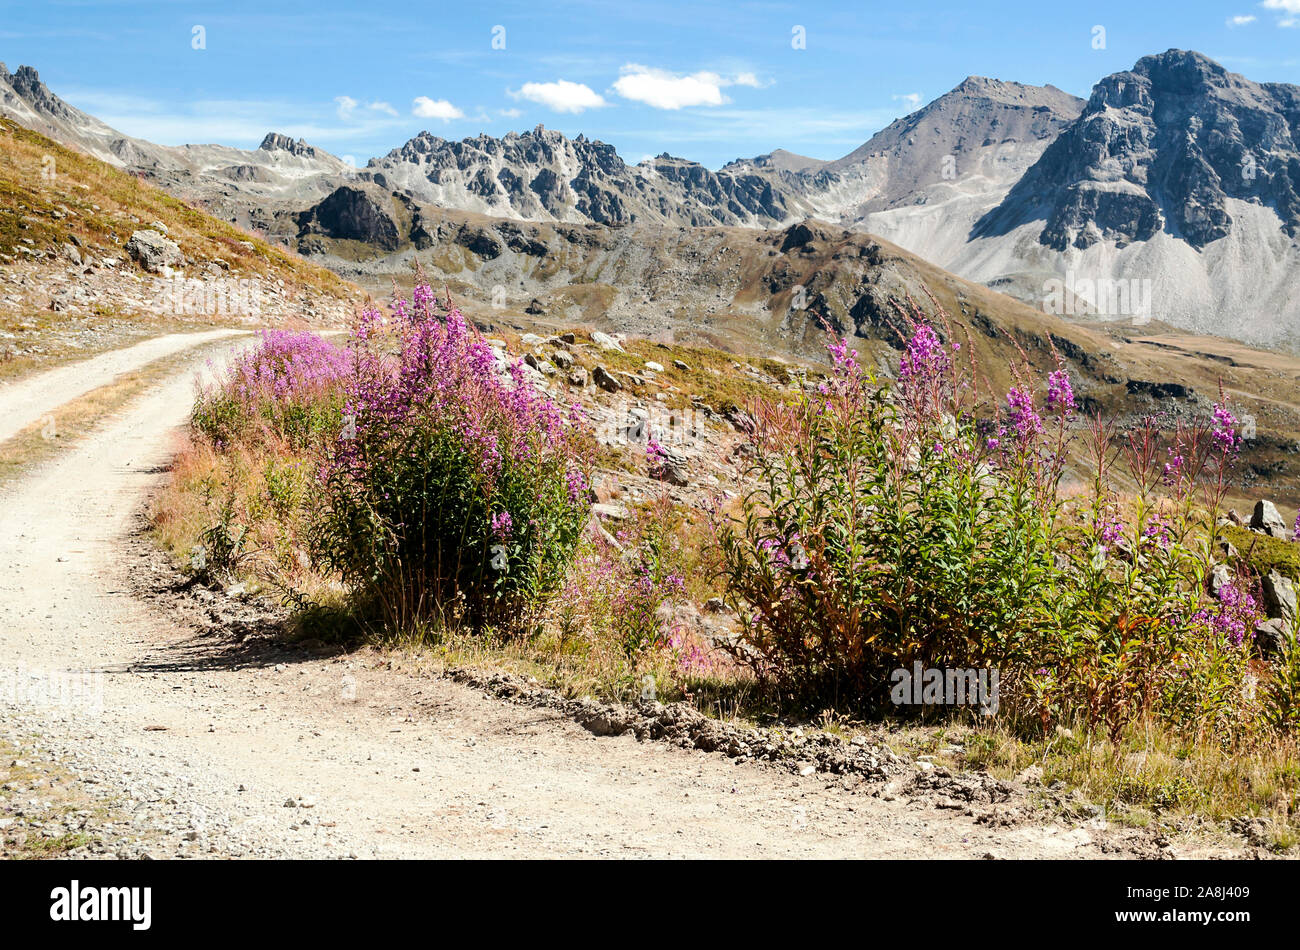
x=1163, y=147
x=975, y=139
x=541, y=175
x=1019, y=187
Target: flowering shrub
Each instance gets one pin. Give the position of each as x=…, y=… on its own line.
x=291, y=383
x=921, y=522
x=454, y=487
x=891, y=526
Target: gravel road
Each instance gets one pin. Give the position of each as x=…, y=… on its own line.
x=27, y=400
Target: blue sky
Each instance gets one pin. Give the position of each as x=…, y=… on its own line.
x=707, y=81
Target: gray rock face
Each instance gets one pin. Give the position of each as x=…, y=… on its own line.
x=1265, y=518
x=671, y=467
x=1279, y=597
x=154, y=252
x=542, y=175
x=1161, y=147
x=353, y=213
x=275, y=140
x=1220, y=575
x=1271, y=638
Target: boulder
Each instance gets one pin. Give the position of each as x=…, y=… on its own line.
x=1279, y=596
x=605, y=341
x=535, y=307
x=601, y=377
x=1219, y=576
x=739, y=419
x=1271, y=638
x=671, y=467
x=578, y=378
x=153, y=251
x=1266, y=519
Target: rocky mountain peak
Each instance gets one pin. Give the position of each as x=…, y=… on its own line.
x=276, y=141
x=1163, y=147
x=26, y=83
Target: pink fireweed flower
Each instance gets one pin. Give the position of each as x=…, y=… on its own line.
x=502, y=524
x=1158, y=532
x=1224, y=430
x=1172, y=468
x=577, y=486
x=1235, y=614
x=1021, y=414
x=844, y=361
x=924, y=359
x=1109, y=532
x=1060, y=395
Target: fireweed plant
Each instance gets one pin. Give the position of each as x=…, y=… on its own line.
x=924, y=520
x=454, y=489
x=289, y=384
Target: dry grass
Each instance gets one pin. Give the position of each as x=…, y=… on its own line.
x=1152, y=775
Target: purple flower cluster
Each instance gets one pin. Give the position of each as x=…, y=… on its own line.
x=1224, y=430
x=287, y=365
x=1021, y=414
x=576, y=484
x=1060, y=395
x=280, y=382
x=1110, y=531
x=444, y=370
x=1234, y=615
x=502, y=525
x=844, y=362
x=1157, y=531
x=925, y=359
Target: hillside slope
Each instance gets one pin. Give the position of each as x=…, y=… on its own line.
x=74, y=279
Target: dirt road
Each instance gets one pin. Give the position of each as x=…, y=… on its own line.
x=27, y=400
x=203, y=750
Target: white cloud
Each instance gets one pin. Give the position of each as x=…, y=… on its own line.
x=562, y=95
x=346, y=106
x=510, y=113
x=661, y=89
x=1240, y=20
x=427, y=108
x=237, y=122
x=911, y=98
x=1290, y=10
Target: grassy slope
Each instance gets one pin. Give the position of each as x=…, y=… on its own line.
x=41, y=179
